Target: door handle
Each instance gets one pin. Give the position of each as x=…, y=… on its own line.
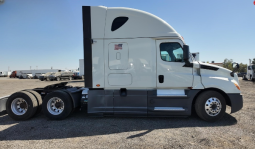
x=161, y=78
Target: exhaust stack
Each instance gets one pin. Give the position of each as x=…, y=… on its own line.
x=249, y=62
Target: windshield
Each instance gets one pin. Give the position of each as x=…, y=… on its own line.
x=253, y=67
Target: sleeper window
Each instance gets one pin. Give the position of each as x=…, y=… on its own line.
x=118, y=22
x=171, y=52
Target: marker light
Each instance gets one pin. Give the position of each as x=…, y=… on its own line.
x=237, y=86
x=98, y=85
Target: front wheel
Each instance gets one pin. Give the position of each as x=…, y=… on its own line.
x=210, y=106
x=57, y=105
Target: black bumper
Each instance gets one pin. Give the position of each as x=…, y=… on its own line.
x=236, y=102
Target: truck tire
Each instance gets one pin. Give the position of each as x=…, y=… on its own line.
x=58, y=79
x=21, y=105
x=57, y=105
x=39, y=100
x=210, y=106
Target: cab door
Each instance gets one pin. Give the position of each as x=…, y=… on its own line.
x=171, y=70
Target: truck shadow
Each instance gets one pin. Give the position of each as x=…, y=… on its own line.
x=78, y=125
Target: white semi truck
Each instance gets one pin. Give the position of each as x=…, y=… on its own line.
x=250, y=75
x=136, y=64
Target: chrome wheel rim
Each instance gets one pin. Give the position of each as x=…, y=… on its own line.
x=213, y=106
x=19, y=106
x=55, y=106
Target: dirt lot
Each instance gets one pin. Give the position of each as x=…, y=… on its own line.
x=232, y=131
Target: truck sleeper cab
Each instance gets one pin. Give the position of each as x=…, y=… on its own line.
x=136, y=64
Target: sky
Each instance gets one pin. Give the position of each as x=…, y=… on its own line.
x=48, y=33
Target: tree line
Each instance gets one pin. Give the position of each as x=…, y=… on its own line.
x=242, y=67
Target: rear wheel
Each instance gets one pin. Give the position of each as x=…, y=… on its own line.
x=57, y=105
x=39, y=100
x=21, y=105
x=210, y=106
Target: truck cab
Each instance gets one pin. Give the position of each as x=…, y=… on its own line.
x=137, y=64
x=250, y=75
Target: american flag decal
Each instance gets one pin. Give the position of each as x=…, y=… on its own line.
x=118, y=47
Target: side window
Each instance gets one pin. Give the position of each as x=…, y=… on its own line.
x=118, y=22
x=249, y=67
x=171, y=52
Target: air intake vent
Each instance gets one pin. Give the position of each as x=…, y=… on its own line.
x=209, y=67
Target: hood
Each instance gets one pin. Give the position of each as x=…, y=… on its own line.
x=216, y=66
x=213, y=76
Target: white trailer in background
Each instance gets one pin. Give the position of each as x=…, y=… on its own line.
x=36, y=72
x=136, y=64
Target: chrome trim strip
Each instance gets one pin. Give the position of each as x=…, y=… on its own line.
x=169, y=109
x=171, y=95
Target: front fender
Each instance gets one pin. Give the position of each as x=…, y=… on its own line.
x=223, y=83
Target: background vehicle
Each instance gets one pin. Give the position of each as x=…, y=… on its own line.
x=250, y=75
x=60, y=76
x=34, y=72
x=76, y=75
x=122, y=79
x=26, y=76
x=5, y=73
x=44, y=76
x=36, y=76
x=241, y=74
x=14, y=74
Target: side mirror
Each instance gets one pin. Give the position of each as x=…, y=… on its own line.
x=235, y=65
x=186, y=55
x=235, y=68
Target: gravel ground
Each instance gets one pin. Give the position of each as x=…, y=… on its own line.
x=78, y=131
